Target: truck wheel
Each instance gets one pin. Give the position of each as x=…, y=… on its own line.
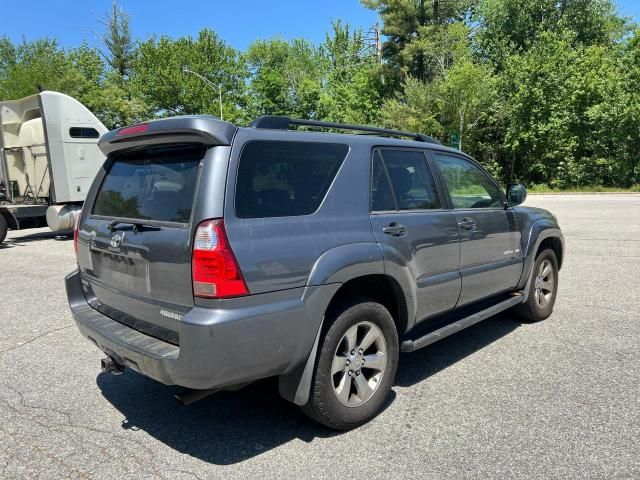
x=543, y=288
x=356, y=367
x=3, y=228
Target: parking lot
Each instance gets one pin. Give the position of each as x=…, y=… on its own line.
x=558, y=399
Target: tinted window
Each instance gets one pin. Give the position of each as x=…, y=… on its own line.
x=413, y=184
x=468, y=186
x=83, y=132
x=278, y=179
x=381, y=194
x=151, y=185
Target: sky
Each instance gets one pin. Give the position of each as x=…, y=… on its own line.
x=238, y=22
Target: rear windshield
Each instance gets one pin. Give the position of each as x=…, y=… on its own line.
x=278, y=179
x=156, y=184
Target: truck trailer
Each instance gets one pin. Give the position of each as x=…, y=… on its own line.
x=49, y=156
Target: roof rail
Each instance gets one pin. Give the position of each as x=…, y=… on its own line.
x=278, y=122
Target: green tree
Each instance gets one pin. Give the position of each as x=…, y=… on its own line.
x=160, y=81
x=467, y=93
x=119, y=45
x=33, y=65
x=408, y=26
x=286, y=78
x=509, y=27
x=538, y=129
x=571, y=114
x=352, y=87
x=415, y=109
x=460, y=94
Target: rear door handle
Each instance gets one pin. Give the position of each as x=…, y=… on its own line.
x=395, y=229
x=467, y=224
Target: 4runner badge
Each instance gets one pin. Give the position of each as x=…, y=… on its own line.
x=171, y=315
x=116, y=239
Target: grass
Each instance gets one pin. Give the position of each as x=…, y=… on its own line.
x=583, y=189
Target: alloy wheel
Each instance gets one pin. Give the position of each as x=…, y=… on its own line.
x=359, y=364
x=544, y=284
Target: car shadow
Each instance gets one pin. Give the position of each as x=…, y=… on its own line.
x=420, y=365
x=229, y=427
x=223, y=429
x=18, y=241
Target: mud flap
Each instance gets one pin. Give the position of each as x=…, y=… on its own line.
x=296, y=386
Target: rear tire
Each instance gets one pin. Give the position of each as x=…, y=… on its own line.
x=355, y=368
x=543, y=288
x=3, y=229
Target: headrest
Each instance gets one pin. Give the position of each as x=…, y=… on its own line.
x=401, y=179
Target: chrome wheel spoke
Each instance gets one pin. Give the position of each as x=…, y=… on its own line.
x=544, y=284
x=351, y=337
x=339, y=364
x=542, y=299
x=375, y=361
x=363, y=388
x=344, y=388
x=371, y=336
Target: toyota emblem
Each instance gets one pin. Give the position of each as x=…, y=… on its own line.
x=116, y=239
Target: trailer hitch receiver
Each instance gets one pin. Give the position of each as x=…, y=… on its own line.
x=111, y=366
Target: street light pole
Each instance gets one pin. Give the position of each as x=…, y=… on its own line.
x=211, y=84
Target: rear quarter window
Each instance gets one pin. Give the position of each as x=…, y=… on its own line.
x=156, y=185
x=279, y=179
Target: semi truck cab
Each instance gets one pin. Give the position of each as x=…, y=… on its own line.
x=49, y=156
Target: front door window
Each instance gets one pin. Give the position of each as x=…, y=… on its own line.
x=468, y=186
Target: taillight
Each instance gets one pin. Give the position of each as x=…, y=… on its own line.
x=75, y=235
x=215, y=271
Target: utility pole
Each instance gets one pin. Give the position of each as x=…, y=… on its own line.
x=372, y=41
x=211, y=84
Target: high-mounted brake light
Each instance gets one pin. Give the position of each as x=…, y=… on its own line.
x=140, y=128
x=216, y=273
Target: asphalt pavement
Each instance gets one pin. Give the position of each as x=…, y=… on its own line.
x=557, y=399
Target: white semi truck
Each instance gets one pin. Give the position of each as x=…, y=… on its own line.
x=49, y=156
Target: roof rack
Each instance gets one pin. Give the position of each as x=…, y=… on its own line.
x=278, y=122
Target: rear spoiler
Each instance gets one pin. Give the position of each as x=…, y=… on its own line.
x=185, y=129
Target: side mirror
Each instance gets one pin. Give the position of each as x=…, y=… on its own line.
x=516, y=194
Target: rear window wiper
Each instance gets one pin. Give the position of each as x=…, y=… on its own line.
x=137, y=226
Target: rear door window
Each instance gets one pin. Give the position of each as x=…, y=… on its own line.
x=157, y=185
x=279, y=179
x=413, y=185
x=382, y=197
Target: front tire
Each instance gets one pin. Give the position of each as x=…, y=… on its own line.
x=3, y=229
x=543, y=288
x=355, y=368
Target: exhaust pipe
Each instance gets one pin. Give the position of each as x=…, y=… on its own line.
x=111, y=366
x=188, y=397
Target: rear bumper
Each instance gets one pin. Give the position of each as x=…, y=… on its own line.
x=256, y=337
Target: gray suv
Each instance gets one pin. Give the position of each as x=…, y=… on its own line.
x=211, y=256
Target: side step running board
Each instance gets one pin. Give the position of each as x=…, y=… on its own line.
x=451, y=328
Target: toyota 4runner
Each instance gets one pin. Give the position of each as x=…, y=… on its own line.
x=210, y=256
